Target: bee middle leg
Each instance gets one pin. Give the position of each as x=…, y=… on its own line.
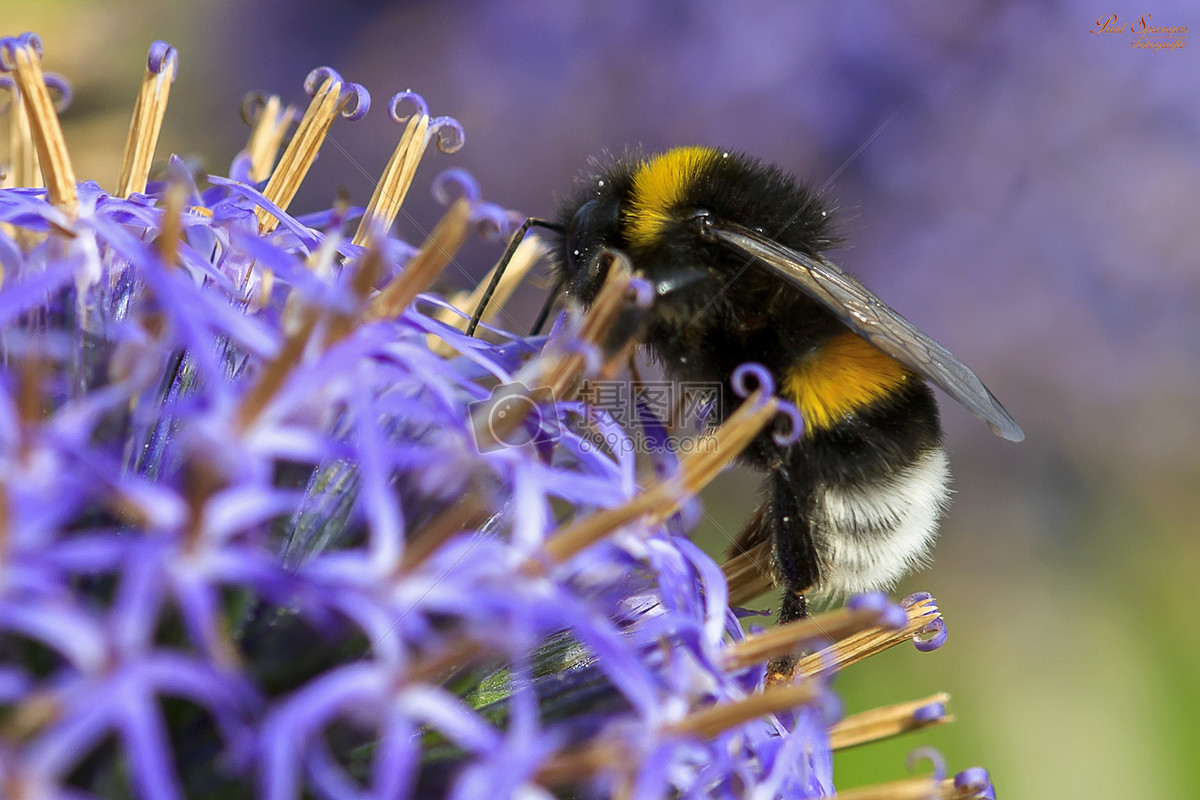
x=794, y=557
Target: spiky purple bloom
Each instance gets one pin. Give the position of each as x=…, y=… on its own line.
x=253, y=545
x=203, y=590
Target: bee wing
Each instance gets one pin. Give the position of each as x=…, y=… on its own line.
x=871, y=318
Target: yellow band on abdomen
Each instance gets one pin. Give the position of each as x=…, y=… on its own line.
x=844, y=375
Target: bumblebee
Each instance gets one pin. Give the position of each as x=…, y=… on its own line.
x=734, y=249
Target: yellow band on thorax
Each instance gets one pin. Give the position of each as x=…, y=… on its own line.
x=844, y=375
x=658, y=185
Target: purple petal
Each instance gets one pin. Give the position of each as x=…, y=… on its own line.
x=146, y=747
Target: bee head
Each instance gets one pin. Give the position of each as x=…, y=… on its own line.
x=593, y=227
x=643, y=207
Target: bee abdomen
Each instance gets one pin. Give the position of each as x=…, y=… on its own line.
x=868, y=536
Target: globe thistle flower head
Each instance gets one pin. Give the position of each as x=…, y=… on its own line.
x=273, y=525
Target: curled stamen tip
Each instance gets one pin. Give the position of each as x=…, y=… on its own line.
x=10, y=44
x=931, y=637
x=760, y=374
x=8, y=50
x=61, y=87
x=642, y=291
x=162, y=55
x=316, y=79
x=494, y=222
x=450, y=134
x=252, y=106
x=917, y=598
x=468, y=188
x=930, y=713
x=355, y=101
x=930, y=755
x=449, y=131
x=977, y=781
x=795, y=428
x=410, y=96
x=32, y=40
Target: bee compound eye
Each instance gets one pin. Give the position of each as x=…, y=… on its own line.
x=593, y=226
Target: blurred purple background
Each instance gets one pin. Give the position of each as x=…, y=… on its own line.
x=1021, y=188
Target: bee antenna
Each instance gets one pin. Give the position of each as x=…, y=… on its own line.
x=518, y=237
x=545, y=312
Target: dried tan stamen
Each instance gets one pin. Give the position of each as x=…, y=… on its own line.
x=748, y=574
x=365, y=271
x=23, y=168
x=301, y=152
x=922, y=788
x=707, y=722
x=869, y=642
x=883, y=723
x=275, y=374
x=26, y=66
x=148, y=113
x=34, y=713
x=31, y=399
x=269, y=126
x=560, y=371
x=581, y=762
x=576, y=765
x=433, y=668
x=5, y=517
x=423, y=268
x=424, y=542
x=172, y=225
x=783, y=640
x=397, y=177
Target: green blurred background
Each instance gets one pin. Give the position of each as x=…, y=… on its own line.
x=1028, y=196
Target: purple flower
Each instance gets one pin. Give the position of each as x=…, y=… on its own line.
x=252, y=540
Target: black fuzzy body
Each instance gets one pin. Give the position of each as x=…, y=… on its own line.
x=715, y=311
